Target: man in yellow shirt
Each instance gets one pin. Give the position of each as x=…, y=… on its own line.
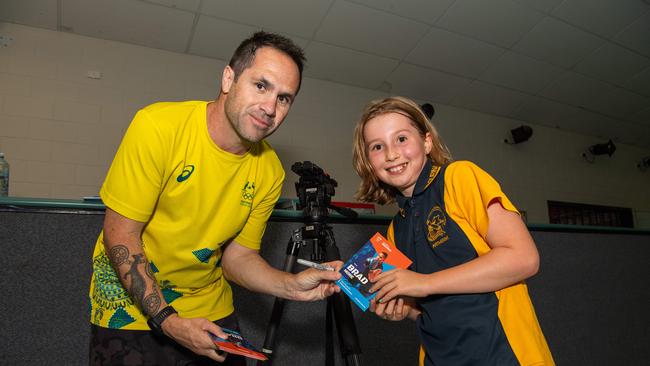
x=187, y=199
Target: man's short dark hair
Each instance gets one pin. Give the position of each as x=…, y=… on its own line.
x=245, y=53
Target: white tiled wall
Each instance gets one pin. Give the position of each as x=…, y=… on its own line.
x=60, y=128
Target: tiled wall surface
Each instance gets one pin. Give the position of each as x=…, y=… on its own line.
x=59, y=128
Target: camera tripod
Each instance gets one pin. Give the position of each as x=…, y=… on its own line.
x=323, y=237
x=315, y=189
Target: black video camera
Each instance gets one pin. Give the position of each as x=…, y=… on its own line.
x=315, y=189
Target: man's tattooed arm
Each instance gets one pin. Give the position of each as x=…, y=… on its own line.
x=137, y=277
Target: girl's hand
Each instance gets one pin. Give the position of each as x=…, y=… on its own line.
x=399, y=281
x=395, y=309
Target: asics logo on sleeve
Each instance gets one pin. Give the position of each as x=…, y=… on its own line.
x=185, y=174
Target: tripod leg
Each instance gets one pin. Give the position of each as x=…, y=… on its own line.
x=269, y=339
x=278, y=305
x=346, y=329
x=329, y=335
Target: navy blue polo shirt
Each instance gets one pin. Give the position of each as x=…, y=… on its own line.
x=437, y=232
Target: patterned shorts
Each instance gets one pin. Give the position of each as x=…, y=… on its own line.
x=141, y=347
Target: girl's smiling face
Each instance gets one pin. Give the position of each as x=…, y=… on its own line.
x=396, y=150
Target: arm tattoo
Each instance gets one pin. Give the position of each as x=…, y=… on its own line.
x=151, y=304
x=118, y=255
x=149, y=272
x=138, y=286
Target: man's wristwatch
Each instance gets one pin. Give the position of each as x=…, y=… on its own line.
x=155, y=322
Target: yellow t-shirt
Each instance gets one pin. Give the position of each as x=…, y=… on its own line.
x=194, y=197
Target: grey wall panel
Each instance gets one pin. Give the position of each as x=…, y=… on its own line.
x=592, y=297
x=45, y=269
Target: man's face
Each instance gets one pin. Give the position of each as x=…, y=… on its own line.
x=260, y=99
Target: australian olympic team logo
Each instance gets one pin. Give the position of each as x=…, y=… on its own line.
x=247, y=194
x=436, y=223
x=185, y=174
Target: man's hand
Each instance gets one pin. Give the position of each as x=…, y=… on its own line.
x=192, y=333
x=314, y=284
x=247, y=268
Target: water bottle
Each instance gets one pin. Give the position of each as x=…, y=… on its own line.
x=4, y=176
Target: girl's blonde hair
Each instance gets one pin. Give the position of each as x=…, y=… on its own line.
x=371, y=189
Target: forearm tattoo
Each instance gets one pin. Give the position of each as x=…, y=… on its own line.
x=151, y=304
x=119, y=255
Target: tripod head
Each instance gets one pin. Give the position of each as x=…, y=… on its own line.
x=315, y=189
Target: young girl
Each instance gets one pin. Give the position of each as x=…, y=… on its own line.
x=470, y=249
